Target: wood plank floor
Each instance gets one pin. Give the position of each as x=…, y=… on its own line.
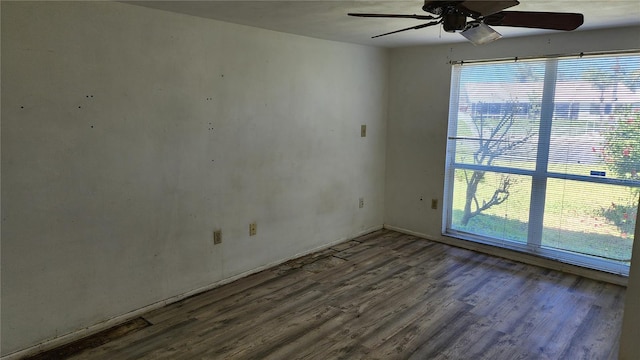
x=387, y=296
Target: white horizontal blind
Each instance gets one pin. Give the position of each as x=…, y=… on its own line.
x=544, y=157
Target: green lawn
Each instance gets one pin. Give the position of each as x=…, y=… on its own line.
x=603, y=245
x=573, y=219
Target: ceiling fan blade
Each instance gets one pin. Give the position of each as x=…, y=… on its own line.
x=414, y=16
x=409, y=28
x=536, y=19
x=484, y=8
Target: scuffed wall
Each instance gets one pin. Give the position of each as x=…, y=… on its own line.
x=129, y=135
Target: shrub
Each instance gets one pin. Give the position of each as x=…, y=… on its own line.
x=621, y=147
x=622, y=216
x=621, y=153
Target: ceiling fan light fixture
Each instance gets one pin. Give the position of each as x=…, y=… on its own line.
x=480, y=33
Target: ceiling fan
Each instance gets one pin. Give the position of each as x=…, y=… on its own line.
x=454, y=17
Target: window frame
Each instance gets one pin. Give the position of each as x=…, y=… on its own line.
x=539, y=175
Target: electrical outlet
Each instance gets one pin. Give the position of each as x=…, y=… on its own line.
x=361, y=203
x=217, y=237
x=363, y=130
x=253, y=229
x=434, y=203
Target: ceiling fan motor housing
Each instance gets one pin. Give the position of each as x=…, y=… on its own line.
x=453, y=19
x=454, y=22
x=439, y=7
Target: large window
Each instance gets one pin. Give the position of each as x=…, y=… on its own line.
x=544, y=157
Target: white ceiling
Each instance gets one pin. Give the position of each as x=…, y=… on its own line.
x=327, y=19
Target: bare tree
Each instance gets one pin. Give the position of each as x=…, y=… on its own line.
x=493, y=142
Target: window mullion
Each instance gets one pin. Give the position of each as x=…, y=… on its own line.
x=451, y=147
x=539, y=178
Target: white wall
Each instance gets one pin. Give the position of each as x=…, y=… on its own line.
x=130, y=134
x=417, y=125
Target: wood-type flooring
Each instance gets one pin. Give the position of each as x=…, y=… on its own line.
x=386, y=295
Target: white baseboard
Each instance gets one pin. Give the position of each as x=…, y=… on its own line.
x=519, y=256
x=96, y=328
